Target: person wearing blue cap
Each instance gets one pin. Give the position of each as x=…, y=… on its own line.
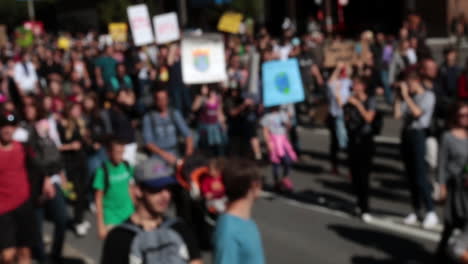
x=149, y=232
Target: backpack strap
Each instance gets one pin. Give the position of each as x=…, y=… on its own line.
x=171, y=118
x=106, y=177
x=127, y=165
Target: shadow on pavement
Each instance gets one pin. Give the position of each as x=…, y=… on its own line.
x=381, y=193
x=376, y=168
x=312, y=169
x=398, y=250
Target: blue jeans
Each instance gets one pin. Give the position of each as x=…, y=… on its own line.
x=181, y=99
x=413, y=148
x=55, y=209
x=388, y=93
x=341, y=132
x=95, y=161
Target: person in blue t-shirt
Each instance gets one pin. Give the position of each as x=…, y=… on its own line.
x=236, y=237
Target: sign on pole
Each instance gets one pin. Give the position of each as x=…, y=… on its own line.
x=140, y=24
x=203, y=59
x=118, y=31
x=282, y=83
x=166, y=28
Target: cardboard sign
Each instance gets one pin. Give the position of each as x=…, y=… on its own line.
x=230, y=22
x=3, y=35
x=118, y=32
x=336, y=52
x=166, y=28
x=203, y=59
x=282, y=83
x=140, y=24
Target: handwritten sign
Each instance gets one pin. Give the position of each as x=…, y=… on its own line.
x=140, y=24
x=166, y=27
x=118, y=32
x=339, y=51
x=230, y=22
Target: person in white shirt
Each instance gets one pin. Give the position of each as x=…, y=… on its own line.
x=25, y=76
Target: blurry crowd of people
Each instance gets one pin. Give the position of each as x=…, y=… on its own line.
x=87, y=113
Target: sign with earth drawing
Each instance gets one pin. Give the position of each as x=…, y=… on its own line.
x=282, y=83
x=203, y=59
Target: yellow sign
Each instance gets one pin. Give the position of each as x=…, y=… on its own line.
x=118, y=32
x=64, y=43
x=230, y=22
x=3, y=35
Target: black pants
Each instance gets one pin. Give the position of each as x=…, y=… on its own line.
x=76, y=172
x=360, y=153
x=441, y=252
x=413, y=148
x=334, y=146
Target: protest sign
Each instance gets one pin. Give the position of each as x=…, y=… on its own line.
x=166, y=28
x=140, y=24
x=230, y=22
x=118, y=32
x=203, y=59
x=37, y=27
x=24, y=37
x=64, y=43
x=254, y=65
x=339, y=51
x=282, y=83
x=3, y=35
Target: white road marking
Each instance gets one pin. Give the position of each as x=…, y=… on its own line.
x=376, y=221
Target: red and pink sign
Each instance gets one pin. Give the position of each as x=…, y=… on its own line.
x=166, y=28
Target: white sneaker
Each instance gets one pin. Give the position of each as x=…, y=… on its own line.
x=411, y=219
x=366, y=217
x=81, y=229
x=430, y=221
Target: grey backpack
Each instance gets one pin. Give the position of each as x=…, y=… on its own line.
x=160, y=246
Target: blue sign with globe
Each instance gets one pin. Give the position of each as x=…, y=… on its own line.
x=282, y=83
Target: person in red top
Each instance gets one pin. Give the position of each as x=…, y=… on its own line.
x=16, y=210
x=212, y=188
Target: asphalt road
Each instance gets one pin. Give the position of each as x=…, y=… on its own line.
x=316, y=223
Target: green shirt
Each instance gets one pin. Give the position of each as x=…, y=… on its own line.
x=108, y=67
x=117, y=203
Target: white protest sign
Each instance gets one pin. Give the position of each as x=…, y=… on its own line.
x=203, y=59
x=166, y=28
x=140, y=24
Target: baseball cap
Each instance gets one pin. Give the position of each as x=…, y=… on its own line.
x=8, y=119
x=155, y=174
